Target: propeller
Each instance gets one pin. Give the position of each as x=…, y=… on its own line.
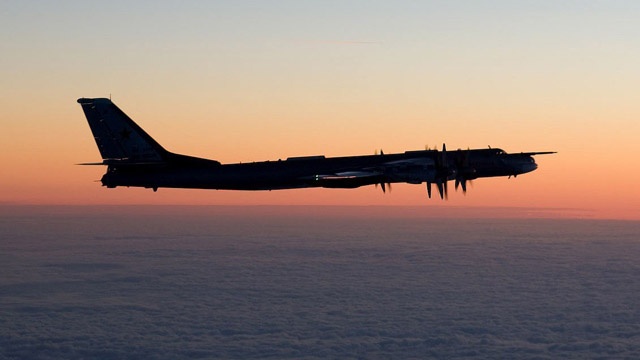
x=461, y=183
x=443, y=172
x=442, y=189
x=464, y=172
x=383, y=185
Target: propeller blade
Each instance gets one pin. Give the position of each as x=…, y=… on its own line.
x=440, y=189
x=444, y=155
x=446, y=190
x=384, y=190
x=457, y=183
x=464, y=186
x=429, y=189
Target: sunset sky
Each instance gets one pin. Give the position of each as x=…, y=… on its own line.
x=241, y=81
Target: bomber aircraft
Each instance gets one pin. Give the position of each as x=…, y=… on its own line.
x=133, y=158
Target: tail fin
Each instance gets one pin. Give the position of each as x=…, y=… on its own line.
x=119, y=139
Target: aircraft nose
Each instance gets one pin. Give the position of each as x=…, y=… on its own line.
x=528, y=167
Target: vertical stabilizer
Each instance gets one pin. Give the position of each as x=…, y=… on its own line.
x=119, y=139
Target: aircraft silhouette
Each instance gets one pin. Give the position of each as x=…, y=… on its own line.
x=133, y=158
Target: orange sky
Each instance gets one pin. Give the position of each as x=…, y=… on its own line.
x=258, y=82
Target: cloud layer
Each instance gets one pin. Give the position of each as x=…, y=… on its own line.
x=169, y=286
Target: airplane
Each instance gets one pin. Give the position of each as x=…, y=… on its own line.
x=135, y=159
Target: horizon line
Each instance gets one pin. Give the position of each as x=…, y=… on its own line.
x=375, y=210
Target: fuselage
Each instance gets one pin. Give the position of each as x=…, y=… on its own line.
x=302, y=172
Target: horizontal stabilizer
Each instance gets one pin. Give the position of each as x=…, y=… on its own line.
x=124, y=163
x=91, y=164
x=538, y=153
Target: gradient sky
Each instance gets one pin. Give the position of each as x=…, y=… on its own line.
x=245, y=80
